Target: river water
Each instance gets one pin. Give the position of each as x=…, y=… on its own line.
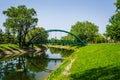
x=32, y=66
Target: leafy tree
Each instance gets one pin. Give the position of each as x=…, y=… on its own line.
x=34, y=32
x=1, y=35
x=68, y=37
x=100, y=39
x=64, y=37
x=9, y=38
x=113, y=29
x=19, y=21
x=117, y=4
x=85, y=30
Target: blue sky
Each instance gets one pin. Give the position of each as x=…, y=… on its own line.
x=62, y=14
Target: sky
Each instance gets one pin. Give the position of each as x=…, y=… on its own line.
x=62, y=14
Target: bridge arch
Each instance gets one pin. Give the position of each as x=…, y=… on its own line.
x=31, y=41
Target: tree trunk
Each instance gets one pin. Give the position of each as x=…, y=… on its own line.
x=20, y=38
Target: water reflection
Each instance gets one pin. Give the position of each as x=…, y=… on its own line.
x=15, y=70
x=31, y=66
x=37, y=63
x=62, y=52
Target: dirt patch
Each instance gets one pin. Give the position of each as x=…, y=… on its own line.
x=66, y=71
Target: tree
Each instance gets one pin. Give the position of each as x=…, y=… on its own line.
x=19, y=21
x=100, y=38
x=9, y=38
x=85, y=30
x=65, y=37
x=113, y=29
x=1, y=35
x=34, y=32
x=117, y=4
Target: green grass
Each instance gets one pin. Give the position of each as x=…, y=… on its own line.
x=4, y=47
x=92, y=62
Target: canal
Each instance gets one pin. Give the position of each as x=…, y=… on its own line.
x=32, y=66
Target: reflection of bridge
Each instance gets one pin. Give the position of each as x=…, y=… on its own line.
x=77, y=40
x=56, y=59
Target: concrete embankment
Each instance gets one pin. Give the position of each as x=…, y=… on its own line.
x=21, y=51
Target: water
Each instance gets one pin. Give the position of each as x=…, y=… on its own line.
x=31, y=66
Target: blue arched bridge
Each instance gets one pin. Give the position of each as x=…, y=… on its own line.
x=77, y=40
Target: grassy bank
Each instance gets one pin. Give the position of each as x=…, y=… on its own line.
x=9, y=47
x=92, y=62
x=68, y=47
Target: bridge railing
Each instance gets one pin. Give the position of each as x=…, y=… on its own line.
x=59, y=42
x=77, y=42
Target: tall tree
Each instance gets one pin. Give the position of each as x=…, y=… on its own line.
x=1, y=35
x=85, y=30
x=19, y=21
x=113, y=29
x=117, y=4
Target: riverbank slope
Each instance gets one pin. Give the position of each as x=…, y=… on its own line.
x=9, y=49
x=92, y=62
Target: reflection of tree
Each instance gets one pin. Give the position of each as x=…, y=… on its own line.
x=63, y=52
x=13, y=75
x=14, y=69
x=1, y=75
x=24, y=66
x=37, y=63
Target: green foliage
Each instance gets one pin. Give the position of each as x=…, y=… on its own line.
x=7, y=37
x=113, y=29
x=117, y=4
x=100, y=39
x=33, y=32
x=19, y=21
x=64, y=38
x=1, y=35
x=85, y=30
